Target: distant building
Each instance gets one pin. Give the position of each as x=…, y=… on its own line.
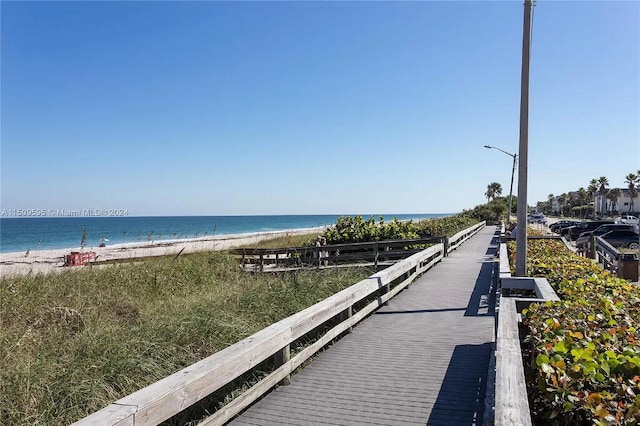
x=623, y=204
x=602, y=204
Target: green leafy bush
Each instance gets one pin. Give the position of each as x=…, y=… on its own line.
x=494, y=210
x=355, y=229
x=582, y=354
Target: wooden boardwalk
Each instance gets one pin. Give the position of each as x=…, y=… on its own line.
x=422, y=360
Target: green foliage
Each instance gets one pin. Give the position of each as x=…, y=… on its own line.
x=494, y=210
x=75, y=341
x=583, y=353
x=355, y=229
x=288, y=240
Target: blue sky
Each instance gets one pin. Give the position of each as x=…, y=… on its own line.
x=215, y=108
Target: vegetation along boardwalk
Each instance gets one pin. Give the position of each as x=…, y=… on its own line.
x=422, y=359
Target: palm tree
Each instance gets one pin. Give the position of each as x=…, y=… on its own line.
x=613, y=195
x=550, y=199
x=631, y=180
x=583, y=199
x=489, y=194
x=592, y=190
x=572, y=200
x=583, y=196
x=603, y=182
x=493, y=190
x=633, y=193
x=562, y=198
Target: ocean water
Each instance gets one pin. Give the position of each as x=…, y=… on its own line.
x=42, y=233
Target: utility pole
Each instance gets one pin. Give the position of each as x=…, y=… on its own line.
x=521, y=233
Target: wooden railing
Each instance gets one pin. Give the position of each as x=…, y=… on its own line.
x=375, y=253
x=605, y=254
x=371, y=252
x=173, y=394
x=625, y=265
x=456, y=240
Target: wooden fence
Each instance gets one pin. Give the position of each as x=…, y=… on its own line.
x=605, y=254
x=371, y=253
x=625, y=265
x=339, y=313
x=376, y=253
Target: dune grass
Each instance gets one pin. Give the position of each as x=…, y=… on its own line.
x=72, y=343
x=287, y=240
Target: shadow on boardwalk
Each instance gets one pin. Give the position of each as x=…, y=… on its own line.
x=465, y=381
x=483, y=297
x=461, y=397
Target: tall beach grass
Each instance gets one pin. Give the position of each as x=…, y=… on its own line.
x=72, y=343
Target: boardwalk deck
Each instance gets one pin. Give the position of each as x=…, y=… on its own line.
x=423, y=359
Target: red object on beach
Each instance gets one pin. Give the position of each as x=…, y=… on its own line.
x=77, y=258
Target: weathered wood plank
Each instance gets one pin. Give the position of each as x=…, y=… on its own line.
x=383, y=245
x=505, y=267
x=511, y=405
x=544, y=290
x=237, y=405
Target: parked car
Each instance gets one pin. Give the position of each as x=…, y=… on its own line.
x=629, y=219
x=622, y=238
x=536, y=218
x=585, y=237
x=573, y=232
x=556, y=227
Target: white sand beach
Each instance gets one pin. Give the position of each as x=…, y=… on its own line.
x=47, y=261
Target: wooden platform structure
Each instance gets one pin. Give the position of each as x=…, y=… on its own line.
x=422, y=359
x=375, y=253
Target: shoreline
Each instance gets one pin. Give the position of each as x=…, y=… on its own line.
x=53, y=233
x=52, y=260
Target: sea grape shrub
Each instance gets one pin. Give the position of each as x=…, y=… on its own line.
x=444, y=226
x=352, y=229
x=584, y=363
x=552, y=260
x=583, y=353
x=493, y=210
x=355, y=229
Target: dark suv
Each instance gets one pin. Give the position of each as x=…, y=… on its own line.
x=584, y=238
x=556, y=227
x=574, y=232
x=622, y=238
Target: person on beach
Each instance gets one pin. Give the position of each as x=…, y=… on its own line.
x=316, y=253
x=324, y=255
x=320, y=254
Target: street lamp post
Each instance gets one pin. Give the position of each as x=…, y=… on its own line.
x=513, y=170
x=523, y=152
